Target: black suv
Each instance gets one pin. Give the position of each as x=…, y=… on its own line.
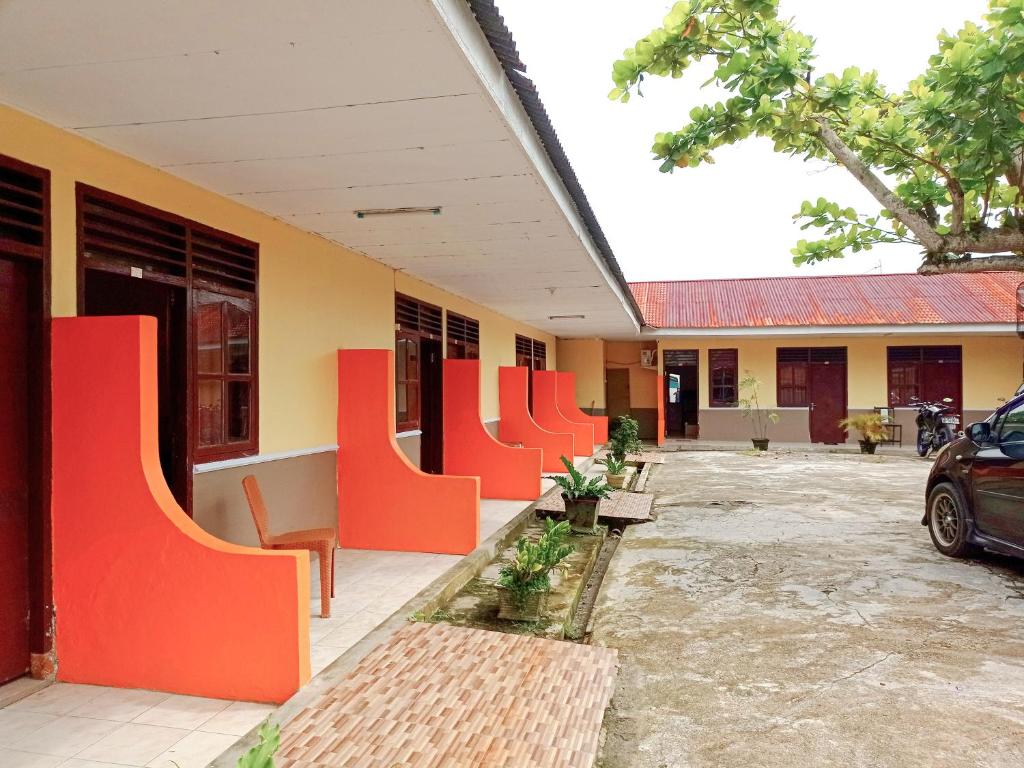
x=975, y=495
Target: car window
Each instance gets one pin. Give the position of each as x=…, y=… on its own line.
x=1010, y=428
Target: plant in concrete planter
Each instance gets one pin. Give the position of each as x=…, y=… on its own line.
x=524, y=582
x=582, y=496
x=871, y=429
x=614, y=470
x=751, y=410
x=625, y=438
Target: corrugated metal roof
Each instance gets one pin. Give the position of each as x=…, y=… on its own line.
x=904, y=299
x=504, y=46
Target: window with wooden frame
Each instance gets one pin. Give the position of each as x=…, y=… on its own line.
x=463, y=337
x=914, y=372
x=792, y=365
x=220, y=272
x=415, y=320
x=723, y=373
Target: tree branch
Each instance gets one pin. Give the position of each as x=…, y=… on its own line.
x=929, y=238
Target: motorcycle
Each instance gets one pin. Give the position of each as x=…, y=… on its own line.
x=936, y=424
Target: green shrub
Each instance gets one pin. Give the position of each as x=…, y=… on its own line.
x=262, y=755
x=625, y=437
x=578, y=486
x=530, y=571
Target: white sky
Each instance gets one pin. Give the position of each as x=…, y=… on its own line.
x=734, y=218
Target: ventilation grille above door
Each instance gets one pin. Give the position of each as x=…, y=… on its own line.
x=417, y=316
x=219, y=261
x=130, y=237
x=22, y=209
x=680, y=358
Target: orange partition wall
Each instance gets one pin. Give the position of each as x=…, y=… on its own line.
x=567, y=405
x=547, y=414
x=517, y=425
x=469, y=449
x=144, y=597
x=661, y=410
x=384, y=501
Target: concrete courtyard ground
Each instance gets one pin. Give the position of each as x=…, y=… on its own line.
x=789, y=610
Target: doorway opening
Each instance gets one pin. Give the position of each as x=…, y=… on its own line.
x=25, y=585
x=431, y=419
x=682, y=408
x=106, y=293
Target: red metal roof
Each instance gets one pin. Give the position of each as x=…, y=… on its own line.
x=903, y=299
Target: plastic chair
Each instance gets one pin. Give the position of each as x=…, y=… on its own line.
x=319, y=540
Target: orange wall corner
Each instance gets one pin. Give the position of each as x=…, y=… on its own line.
x=144, y=597
x=548, y=415
x=566, y=399
x=661, y=410
x=384, y=501
x=516, y=425
x=469, y=449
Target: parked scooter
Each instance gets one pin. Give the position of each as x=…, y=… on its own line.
x=936, y=424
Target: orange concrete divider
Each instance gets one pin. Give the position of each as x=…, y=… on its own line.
x=469, y=449
x=661, y=410
x=517, y=425
x=567, y=405
x=384, y=501
x=547, y=414
x=144, y=597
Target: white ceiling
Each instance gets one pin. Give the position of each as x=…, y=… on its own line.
x=312, y=109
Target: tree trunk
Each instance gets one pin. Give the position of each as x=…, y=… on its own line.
x=915, y=222
x=984, y=264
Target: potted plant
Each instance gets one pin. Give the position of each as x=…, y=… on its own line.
x=524, y=582
x=582, y=496
x=759, y=418
x=625, y=438
x=614, y=470
x=871, y=429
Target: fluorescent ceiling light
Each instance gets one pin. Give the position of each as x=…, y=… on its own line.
x=434, y=210
x=567, y=317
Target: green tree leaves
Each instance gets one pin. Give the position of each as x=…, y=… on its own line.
x=950, y=146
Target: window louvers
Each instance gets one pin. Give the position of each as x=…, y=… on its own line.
x=680, y=358
x=127, y=236
x=416, y=316
x=540, y=350
x=811, y=355
x=935, y=354
x=219, y=262
x=722, y=358
x=524, y=346
x=23, y=210
x=124, y=236
x=463, y=329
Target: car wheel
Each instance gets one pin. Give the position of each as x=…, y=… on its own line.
x=947, y=520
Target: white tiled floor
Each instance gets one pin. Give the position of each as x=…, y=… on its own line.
x=85, y=726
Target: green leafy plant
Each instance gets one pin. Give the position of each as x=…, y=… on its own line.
x=529, y=572
x=262, y=755
x=613, y=464
x=578, y=486
x=625, y=438
x=751, y=407
x=869, y=425
x=942, y=157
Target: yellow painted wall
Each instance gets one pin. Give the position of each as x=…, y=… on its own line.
x=497, y=335
x=643, y=382
x=992, y=365
x=315, y=296
x=585, y=358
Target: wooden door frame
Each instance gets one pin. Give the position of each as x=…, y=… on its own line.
x=40, y=544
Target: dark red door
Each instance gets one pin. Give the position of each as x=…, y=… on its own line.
x=942, y=380
x=827, y=395
x=15, y=293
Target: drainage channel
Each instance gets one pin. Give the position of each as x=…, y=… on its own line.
x=579, y=628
